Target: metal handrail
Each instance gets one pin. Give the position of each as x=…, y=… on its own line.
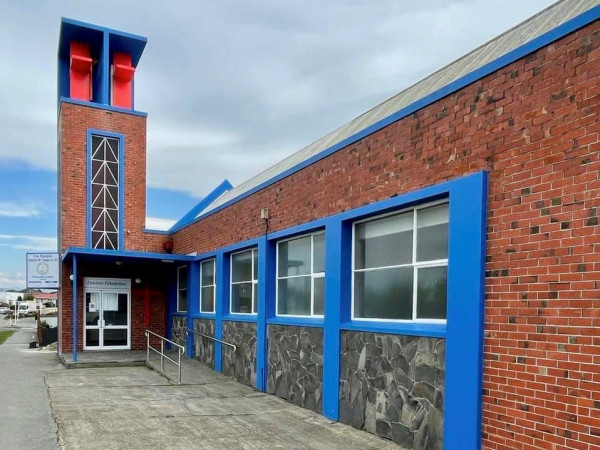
x=161, y=352
x=187, y=331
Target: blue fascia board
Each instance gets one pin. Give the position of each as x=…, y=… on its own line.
x=149, y=231
x=91, y=26
x=101, y=106
x=239, y=318
x=508, y=58
x=71, y=251
x=202, y=204
x=404, y=328
x=297, y=321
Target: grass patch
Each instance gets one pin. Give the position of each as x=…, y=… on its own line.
x=4, y=335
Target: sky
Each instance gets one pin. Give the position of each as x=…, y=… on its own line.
x=230, y=87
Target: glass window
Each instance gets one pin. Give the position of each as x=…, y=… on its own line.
x=207, y=286
x=400, y=265
x=105, y=192
x=182, y=281
x=244, y=282
x=300, y=276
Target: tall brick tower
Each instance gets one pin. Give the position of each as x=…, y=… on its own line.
x=102, y=193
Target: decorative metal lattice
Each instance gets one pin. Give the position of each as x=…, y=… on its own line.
x=105, y=193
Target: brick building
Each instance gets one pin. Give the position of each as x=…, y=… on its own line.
x=428, y=272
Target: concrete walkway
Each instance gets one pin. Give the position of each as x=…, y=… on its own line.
x=26, y=418
x=138, y=408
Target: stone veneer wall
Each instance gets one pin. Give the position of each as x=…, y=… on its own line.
x=393, y=386
x=295, y=365
x=204, y=348
x=178, y=329
x=240, y=364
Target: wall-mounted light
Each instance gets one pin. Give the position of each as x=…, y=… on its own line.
x=71, y=277
x=138, y=280
x=119, y=263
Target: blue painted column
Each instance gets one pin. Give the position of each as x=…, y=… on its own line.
x=261, y=317
x=337, y=291
x=464, y=329
x=193, y=306
x=75, y=313
x=221, y=305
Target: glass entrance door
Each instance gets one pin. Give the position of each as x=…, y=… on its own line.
x=106, y=320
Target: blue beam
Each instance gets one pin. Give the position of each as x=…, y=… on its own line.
x=193, y=305
x=75, y=313
x=221, y=307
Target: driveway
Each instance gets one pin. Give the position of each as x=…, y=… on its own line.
x=137, y=408
x=26, y=415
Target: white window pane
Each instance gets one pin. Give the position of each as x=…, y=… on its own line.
x=255, y=289
x=384, y=242
x=255, y=264
x=241, y=266
x=432, y=233
x=183, y=277
x=431, y=292
x=182, y=300
x=384, y=294
x=208, y=271
x=241, y=298
x=294, y=257
x=293, y=296
x=319, y=253
x=319, y=296
x=208, y=299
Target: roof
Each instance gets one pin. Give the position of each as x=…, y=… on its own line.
x=550, y=24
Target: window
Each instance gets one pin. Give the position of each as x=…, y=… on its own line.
x=105, y=192
x=301, y=276
x=244, y=282
x=400, y=265
x=182, y=291
x=207, y=286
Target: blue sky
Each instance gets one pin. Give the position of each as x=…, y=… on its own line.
x=231, y=87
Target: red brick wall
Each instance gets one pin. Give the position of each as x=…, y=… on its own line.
x=154, y=275
x=534, y=126
x=74, y=122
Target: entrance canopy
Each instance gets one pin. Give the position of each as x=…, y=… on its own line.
x=82, y=254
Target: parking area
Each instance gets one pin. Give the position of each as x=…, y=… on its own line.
x=135, y=408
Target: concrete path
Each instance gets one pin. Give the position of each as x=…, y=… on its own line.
x=137, y=408
x=25, y=419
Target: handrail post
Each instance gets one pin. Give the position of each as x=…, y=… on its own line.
x=147, y=348
x=179, y=353
x=162, y=355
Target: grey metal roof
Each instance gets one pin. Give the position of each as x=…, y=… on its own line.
x=535, y=26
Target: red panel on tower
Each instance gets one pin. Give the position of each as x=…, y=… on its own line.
x=122, y=78
x=80, y=72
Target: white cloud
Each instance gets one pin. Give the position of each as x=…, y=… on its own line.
x=157, y=223
x=12, y=209
x=26, y=242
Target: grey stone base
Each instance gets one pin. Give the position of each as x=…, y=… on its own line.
x=295, y=366
x=204, y=348
x=393, y=386
x=240, y=364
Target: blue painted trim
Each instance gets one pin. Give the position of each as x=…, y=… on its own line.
x=193, y=303
x=121, y=137
x=101, y=106
x=91, y=26
x=81, y=251
x=172, y=301
x=298, y=230
x=338, y=235
x=221, y=304
x=75, y=313
x=529, y=47
x=405, y=328
x=239, y=317
x=465, y=320
x=297, y=321
x=201, y=315
x=149, y=231
x=202, y=204
x=261, y=318
x=104, y=82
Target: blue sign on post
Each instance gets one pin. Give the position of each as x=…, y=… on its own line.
x=43, y=271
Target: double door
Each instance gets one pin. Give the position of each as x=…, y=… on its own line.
x=107, y=319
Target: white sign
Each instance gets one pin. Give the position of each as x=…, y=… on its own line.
x=107, y=284
x=42, y=270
